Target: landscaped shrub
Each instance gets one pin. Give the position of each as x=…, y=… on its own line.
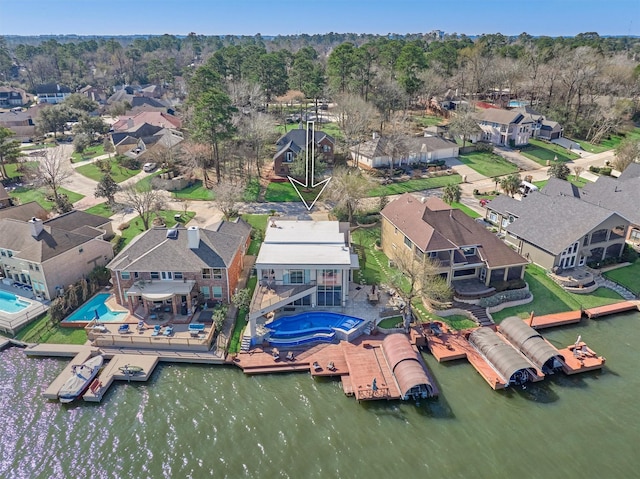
x=509, y=285
x=128, y=163
x=123, y=226
x=604, y=170
x=629, y=255
x=504, y=297
x=485, y=147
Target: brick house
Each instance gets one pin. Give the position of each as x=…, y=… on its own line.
x=296, y=142
x=178, y=267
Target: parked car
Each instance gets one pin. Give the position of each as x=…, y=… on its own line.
x=149, y=167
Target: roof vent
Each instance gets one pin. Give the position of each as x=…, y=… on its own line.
x=172, y=233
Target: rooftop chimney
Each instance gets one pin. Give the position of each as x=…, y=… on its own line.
x=129, y=122
x=193, y=237
x=36, y=226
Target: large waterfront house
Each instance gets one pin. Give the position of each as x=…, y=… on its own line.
x=297, y=142
x=461, y=248
x=505, y=127
x=302, y=263
x=556, y=228
x=378, y=152
x=175, y=267
x=47, y=257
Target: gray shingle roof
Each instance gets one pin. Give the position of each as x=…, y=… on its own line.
x=75, y=219
x=557, y=187
x=503, y=117
x=24, y=212
x=615, y=195
x=153, y=251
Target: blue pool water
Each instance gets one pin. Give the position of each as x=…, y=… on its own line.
x=10, y=303
x=87, y=311
x=518, y=103
x=315, y=326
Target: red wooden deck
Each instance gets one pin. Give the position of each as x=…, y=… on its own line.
x=611, y=309
x=555, y=319
x=581, y=362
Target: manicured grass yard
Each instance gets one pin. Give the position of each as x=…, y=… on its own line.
x=488, y=164
x=12, y=168
x=101, y=209
x=91, y=152
x=627, y=276
x=282, y=192
x=241, y=320
x=580, y=182
x=541, y=152
x=258, y=222
x=331, y=129
x=145, y=182
x=25, y=195
x=136, y=227
x=614, y=140
x=197, y=192
x=424, y=121
x=469, y=212
x=549, y=298
x=40, y=331
x=415, y=185
x=119, y=173
x=374, y=264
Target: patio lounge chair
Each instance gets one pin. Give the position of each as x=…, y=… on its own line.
x=290, y=356
x=317, y=366
x=123, y=329
x=168, y=331
x=276, y=354
x=331, y=366
x=156, y=330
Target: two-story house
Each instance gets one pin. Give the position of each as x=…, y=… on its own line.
x=49, y=258
x=296, y=142
x=175, y=267
x=52, y=93
x=302, y=263
x=505, y=127
x=555, y=228
x=11, y=97
x=461, y=248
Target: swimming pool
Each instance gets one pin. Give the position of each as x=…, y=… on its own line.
x=518, y=103
x=312, y=326
x=10, y=303
x=87, y=311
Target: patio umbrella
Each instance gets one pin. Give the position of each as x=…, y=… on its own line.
x=97, y=315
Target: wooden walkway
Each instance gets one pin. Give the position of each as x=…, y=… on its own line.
x=555, y=319
x=611, y=309
x=58, y=350
x=112, y=372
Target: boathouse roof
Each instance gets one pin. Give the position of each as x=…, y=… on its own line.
x=406, y=365
x=528, y=341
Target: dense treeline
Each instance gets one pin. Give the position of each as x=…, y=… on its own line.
x=588, y=83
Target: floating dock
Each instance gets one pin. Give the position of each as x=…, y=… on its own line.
x=555, y=319
x=580, y=358
x=114, y=371
x=81, y=356
x=611, y=309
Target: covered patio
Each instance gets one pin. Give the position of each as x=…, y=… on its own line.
x=152, y=298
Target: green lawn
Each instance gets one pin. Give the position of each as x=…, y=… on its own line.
x=101, y=209
x=550, y=298
x=241, y=320
x=586, y=146
x=258, y=222
x=145, y=182
x=285, y=192
x=488, y=164
x=374, y=264
x=424, y=121
x=252, y=191
x=541, y=152
x=614, y=140
x=580, y=182
x=415, y=185
x=91, y=152
x=195, y=192
x=329, y=128
x=136, y=227
x=628, y=276
x=119, y=173
x=12, y=168
x=390, y=323
x=40, y=331
x=469, y=212
x=25, y=195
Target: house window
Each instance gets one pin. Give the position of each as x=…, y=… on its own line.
x=326, y=148
x=10, y=254
x=206, y=273
x=288, y=157
x=167, y=275
x=217, y=273
x=30, y=266
x=204, y=290
x=177, y=275
x=505, y=222
x=635, y=235
x=125, y=275
x=217, y=292
x=469, y=250
x=407, y=242
x=80, y=250
x=464, y=272
x=296, y=276
x=419, y=254
x=493, y=217
x=136, y=275
x=37, y=267
x=155, y=275
x=4, y=253
x=433, y=254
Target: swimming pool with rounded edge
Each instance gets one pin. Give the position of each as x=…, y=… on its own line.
x=310, y=326
x=87, y=311
x=10, y=303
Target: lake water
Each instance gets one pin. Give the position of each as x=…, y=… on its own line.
x=193, y=421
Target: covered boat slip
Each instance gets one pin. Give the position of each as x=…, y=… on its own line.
x=512, y=366
x=530, y=343
x=408, y=368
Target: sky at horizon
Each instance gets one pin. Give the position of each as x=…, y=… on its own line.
x=286, y=17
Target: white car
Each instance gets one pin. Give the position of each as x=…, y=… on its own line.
x=149, y=167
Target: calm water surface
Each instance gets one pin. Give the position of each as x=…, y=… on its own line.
x=201, y=422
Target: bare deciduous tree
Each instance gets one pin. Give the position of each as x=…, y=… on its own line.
x=52, y=171
x=626, y=153
x=144, y=200
x=348, y=187
x=256, y=129
x=227, y=196
x=354, y=117
x=577, y=171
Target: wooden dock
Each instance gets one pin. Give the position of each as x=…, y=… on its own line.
x=447, y=346
x=611, y=309
x=80, y=357
x=555, y=319
x=112, y=372
x=582, y=360
x=58, y=350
